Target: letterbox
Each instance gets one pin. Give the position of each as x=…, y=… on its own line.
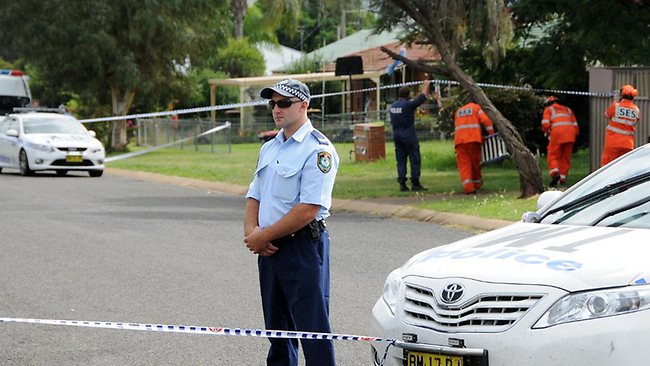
x=369, y=142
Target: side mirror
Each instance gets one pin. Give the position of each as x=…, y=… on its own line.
x=11, y=132
x=92, y=133
x=531, y=217
x=547, y=197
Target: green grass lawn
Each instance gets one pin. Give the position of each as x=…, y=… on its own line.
x=359, y=180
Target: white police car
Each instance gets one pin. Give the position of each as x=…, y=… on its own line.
x=569, y=285
x=14, y=91
x=35, y=140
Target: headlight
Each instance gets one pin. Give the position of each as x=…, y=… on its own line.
x=44, y=148
x=391, y=289
x=95, y=150
x=596, y=304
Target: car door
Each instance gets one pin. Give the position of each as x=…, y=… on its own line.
x=4, y=141
x=9, y=145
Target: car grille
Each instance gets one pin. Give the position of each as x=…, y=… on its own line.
x=482, y=313
x=62, y=162
x=79, y=149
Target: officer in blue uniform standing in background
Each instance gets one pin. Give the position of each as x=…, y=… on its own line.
x=284, y=224
x=407, y=145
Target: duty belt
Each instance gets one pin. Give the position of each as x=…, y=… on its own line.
x=311, y=231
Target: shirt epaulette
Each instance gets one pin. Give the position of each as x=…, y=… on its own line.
x=320, y=137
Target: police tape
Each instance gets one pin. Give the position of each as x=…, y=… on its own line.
x=205, y=330
x=197, y=329
x=260, y=333
x=327, y=95
x=170, y=144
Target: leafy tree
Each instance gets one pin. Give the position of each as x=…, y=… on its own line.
x=283, y=13
x=5, y=64
x=257, y=28
x=119, y=46
x=240, y=59
x=580, y=27
x=200, y=91
x=557, y=41
x=319, y=21
x=449, y=25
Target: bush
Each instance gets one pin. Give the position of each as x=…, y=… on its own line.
x=240, y=59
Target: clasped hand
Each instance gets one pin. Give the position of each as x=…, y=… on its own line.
x=256, y=243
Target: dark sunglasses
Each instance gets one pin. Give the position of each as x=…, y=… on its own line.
x=282, y=103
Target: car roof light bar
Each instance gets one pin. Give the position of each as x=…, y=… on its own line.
x=11, y=72
x=41, y=109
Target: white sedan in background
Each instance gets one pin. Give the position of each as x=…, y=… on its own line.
x=569, y=285
x=36, y=141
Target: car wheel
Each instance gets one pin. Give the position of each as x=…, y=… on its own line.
x=61, y=172
x=0, y=170
x=24, y=164
x=95, y=173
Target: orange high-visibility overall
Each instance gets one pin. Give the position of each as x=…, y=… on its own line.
x=561, y=125
x=467, y=141
x=619, y=135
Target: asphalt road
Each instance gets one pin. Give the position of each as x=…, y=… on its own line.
x=120, y=249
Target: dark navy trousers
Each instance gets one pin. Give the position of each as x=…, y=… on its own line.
x=294, y=283
x=407, y=149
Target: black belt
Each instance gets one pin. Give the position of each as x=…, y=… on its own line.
x=311, y=231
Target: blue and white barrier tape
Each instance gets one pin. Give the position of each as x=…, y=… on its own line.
x=326, y=95
x=204, y=330
x=260, y=333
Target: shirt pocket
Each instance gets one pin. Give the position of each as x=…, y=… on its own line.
x=287, y=184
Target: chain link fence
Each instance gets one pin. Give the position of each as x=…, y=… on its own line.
x=163, y=131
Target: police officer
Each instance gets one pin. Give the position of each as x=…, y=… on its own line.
x=407, y=145
x=284, y=224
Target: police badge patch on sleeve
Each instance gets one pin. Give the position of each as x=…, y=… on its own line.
x=324, y=161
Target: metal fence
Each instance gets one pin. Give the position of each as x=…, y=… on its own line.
x=337, y=127
x=605, y=79
x=164, y=131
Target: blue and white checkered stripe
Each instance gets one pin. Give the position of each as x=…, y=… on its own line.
x=292, y=91
x=197, y=330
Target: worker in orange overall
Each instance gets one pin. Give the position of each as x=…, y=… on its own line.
x=468, y=139
x=623, y=116
x=560, y=125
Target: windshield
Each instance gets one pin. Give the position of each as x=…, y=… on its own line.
x=53, y=125
x=616, y=196
x=7, y=103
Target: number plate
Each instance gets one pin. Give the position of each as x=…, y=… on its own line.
x=431, y=359
x=74, y=158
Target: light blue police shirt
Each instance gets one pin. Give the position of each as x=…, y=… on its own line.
x=298, y=170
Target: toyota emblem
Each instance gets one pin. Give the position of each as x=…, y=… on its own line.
x=452, y=293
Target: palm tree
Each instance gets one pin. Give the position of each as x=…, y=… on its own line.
x=285, y=13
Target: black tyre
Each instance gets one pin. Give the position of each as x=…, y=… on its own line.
x=95, y=173
x=24, y=164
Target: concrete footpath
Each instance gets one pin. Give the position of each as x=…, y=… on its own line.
x=395, y=209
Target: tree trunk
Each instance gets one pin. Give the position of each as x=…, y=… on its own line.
x=122, y=101
x=239, y=8
x=530, y=176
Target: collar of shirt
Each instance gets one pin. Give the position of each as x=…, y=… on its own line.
x=300, y=134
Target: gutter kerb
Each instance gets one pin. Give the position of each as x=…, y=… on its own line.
x=382, y=209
